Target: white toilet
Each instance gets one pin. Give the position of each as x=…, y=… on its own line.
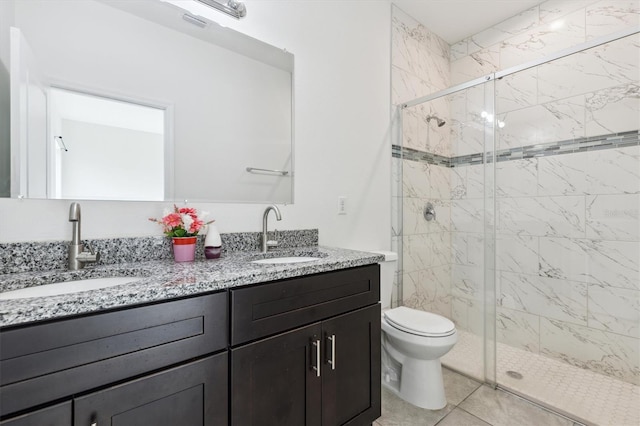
x=413, y=342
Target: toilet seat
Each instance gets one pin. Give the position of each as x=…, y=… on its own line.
x=419, y=322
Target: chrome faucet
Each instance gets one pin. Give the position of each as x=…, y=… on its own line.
x=77, y=256
x=265, y=243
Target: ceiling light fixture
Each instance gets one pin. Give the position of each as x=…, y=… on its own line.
x=231, y=7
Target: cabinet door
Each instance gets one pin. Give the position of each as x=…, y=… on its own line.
x=351, y=370
x=273, y=381
x=193, y=394
x=58, y=415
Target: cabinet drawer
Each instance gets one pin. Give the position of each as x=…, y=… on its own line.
x=270, y=308
x=58, y=415
x=42, y=363
x=192, y=394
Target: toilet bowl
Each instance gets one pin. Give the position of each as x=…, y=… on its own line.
x=413, y=342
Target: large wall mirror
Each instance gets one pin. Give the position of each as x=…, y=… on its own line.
x=140, y=100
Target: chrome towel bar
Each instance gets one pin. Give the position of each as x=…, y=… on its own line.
x=257, y=170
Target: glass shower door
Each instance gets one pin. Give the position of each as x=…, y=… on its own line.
x=447, y=218
x=568, y=238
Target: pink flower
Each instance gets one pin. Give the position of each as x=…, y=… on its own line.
x=172, y=220
x=182, y=222
x=196, y=225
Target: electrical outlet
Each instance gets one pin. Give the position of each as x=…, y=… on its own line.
x=342, y=205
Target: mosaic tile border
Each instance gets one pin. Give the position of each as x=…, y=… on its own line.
x=48, y=255
x=594, y=143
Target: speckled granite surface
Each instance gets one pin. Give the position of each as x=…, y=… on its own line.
x=42, y=256
x=165, y=279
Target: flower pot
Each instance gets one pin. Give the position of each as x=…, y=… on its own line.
x=184, y=249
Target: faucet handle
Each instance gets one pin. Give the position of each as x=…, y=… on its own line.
x=92, y=256
x=88, y=245
x=274, y=242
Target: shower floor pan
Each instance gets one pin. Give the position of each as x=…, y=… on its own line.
x=586, y=396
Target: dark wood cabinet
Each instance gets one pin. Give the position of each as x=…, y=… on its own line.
x=57, y=415
x=299, y=351
x=276, y=381
x=154, y=345
x=351, y=368
x=325, y=373
x=54, y=360
x=191, y=394
x=273, y=380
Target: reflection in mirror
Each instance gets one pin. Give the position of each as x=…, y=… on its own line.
x=222, y=100
x=105, y=149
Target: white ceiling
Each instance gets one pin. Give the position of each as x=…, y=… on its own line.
x=454, y=20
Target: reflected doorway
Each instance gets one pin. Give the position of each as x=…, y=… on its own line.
x=105, y=149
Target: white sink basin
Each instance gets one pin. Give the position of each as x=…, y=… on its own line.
x=279, y=260
x=66, y=287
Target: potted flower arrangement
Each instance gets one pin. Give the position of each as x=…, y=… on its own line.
x=182, y=225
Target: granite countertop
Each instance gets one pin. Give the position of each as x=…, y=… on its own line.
x=165, y=279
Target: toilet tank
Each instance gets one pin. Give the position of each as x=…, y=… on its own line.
x=387, y=272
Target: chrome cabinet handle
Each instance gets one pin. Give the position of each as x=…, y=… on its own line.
x=317, y=366
x=332, y=361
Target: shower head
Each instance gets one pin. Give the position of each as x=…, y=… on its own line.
x=439, y=121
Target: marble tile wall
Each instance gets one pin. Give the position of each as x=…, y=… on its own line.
x=568, y=243
x=544, y=29
x=420, y=66
x=568, y=228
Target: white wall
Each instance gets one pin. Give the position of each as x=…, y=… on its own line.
x=105, y=162
x=342, y=135
x=6, y=15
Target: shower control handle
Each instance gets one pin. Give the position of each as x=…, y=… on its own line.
x=316, y=368
x=332, y=361
x=429, y=212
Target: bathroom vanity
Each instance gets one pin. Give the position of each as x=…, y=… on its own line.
x=240, y=349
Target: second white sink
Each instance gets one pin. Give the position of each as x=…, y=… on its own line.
x=280, y=260
x=66, y=287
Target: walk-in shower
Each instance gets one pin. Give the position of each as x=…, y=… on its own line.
x=535, y=248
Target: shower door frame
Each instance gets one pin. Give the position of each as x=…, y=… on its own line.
x=489, y=287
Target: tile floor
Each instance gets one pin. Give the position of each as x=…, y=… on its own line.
x=589, y=397
x=469, y=404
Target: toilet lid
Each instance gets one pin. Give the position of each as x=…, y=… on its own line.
x=419, y=322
